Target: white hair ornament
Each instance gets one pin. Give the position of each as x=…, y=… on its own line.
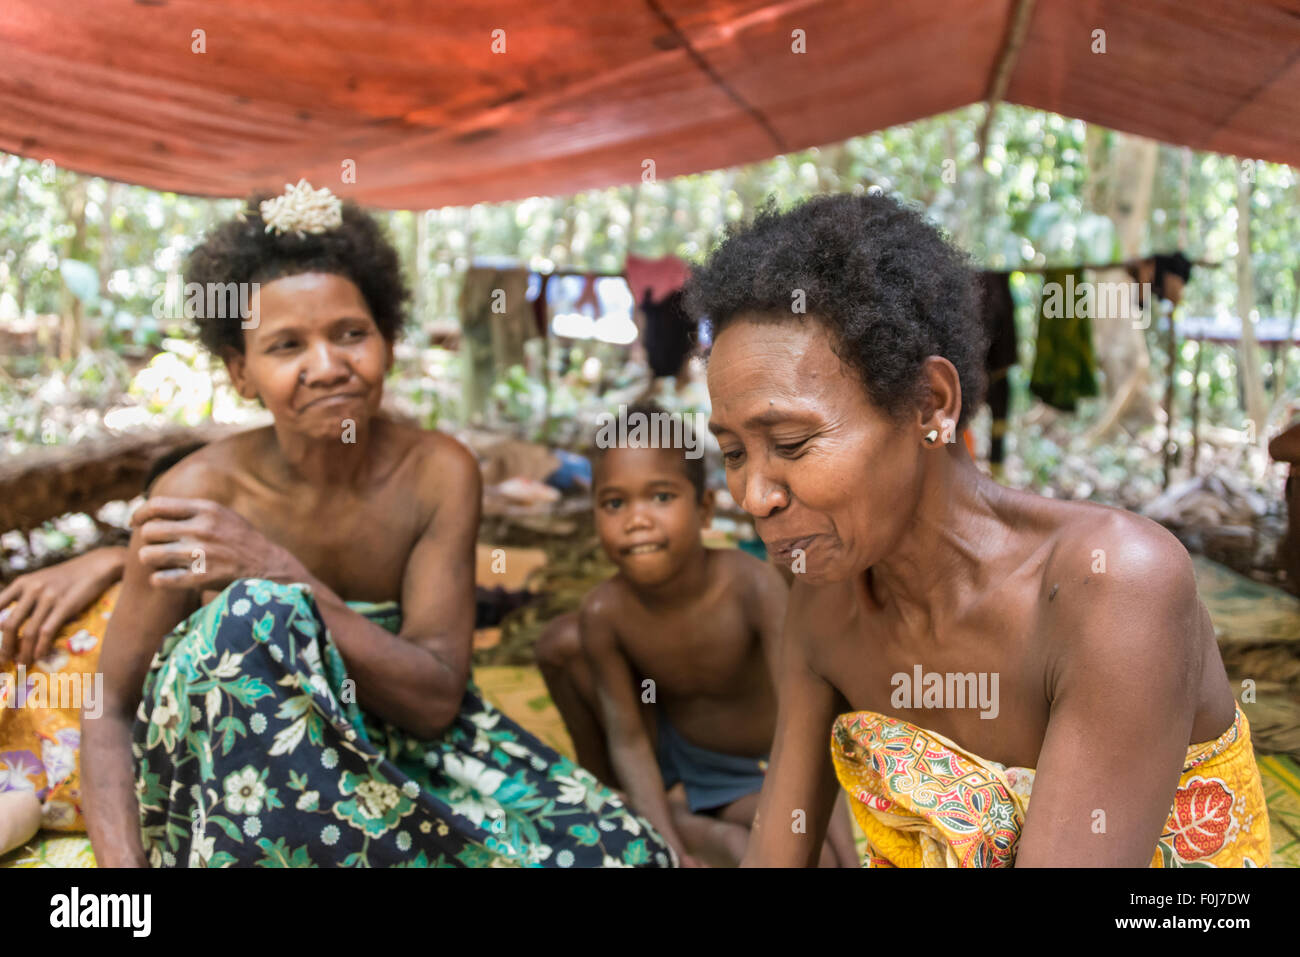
x=301, y=209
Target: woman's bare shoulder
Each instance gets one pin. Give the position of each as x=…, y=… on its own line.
x=1095, y=540
x=443, y=467
x=208, y=472
x=1115, y=577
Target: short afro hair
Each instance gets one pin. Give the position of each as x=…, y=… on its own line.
x=240, y=250
x=694, y=468
x=885, y=283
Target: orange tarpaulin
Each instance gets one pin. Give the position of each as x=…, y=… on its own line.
x=497, y=99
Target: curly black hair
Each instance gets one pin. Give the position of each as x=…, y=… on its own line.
x=886, y=284
x=240, y=250
x=648, y=410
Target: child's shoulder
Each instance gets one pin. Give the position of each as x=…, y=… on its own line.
x=742, y=573
x=607, y=600
x=603, y=613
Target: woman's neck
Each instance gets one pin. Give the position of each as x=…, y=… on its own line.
x=941, y=558
x=341, y=460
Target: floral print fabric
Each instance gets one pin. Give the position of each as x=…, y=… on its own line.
x=250, y=749
x=40, y=724
x=922, y=801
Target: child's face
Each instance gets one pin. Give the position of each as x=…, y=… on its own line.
x=315, y=357
x=646, y=513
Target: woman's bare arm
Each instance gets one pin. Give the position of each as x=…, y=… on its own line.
x=47, y=599
x=417, y=679
x=1123, y=690
x=798, y=796
x=141, y=619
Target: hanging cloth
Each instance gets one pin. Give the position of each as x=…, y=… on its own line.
x=1167, y=273
x=669, y=334
x=998, y=312
x=1065, y=366
x=657, y=277
x=588, y=297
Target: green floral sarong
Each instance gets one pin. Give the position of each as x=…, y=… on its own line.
x=250, y=750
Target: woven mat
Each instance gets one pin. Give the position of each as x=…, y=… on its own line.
x=1245, y=611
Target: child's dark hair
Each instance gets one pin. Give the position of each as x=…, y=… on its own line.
x=164, y=463
x=882, y=280
x=694, y=467
x=240, y=250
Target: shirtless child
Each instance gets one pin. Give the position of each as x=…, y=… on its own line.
x=665, y=674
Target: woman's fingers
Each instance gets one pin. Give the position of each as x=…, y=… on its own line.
x=10, y=593
x=176, y=565
x=63, y=612
x=180, y=579
x=31, y=627
x=164, y=530
x=170, y=555
x=13, y=624
x=178, y=509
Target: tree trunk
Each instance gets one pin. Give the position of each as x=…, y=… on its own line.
x=419, y=272
x=1280, y=393
x=106, y=244
x=75, y=206
x=829, y=162
x=1121, y=175
x=633, y=216
x=1248, y=349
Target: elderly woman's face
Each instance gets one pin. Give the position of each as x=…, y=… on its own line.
x=315, y=357
x=827, y=475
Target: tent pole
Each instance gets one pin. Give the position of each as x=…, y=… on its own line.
x=999, y=80
x=1172, y=343
x=1196, y=406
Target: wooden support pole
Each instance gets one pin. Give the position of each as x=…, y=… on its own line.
x=1196, y=406
x=999, y=80
x=1171, y=341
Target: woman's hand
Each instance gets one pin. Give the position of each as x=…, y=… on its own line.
x=193, y=544
x=46, y=600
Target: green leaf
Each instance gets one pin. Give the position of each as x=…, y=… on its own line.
x=264, y=626
x=247, y=689
x=294, y=707
x=420, y=860
x=315, y=728
x=636, y=853
x=276, y=855
x=228, y=826
x=585, y=834
x=230, y=727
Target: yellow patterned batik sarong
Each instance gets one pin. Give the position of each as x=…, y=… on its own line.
x=923, y=801
x=40, y=734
